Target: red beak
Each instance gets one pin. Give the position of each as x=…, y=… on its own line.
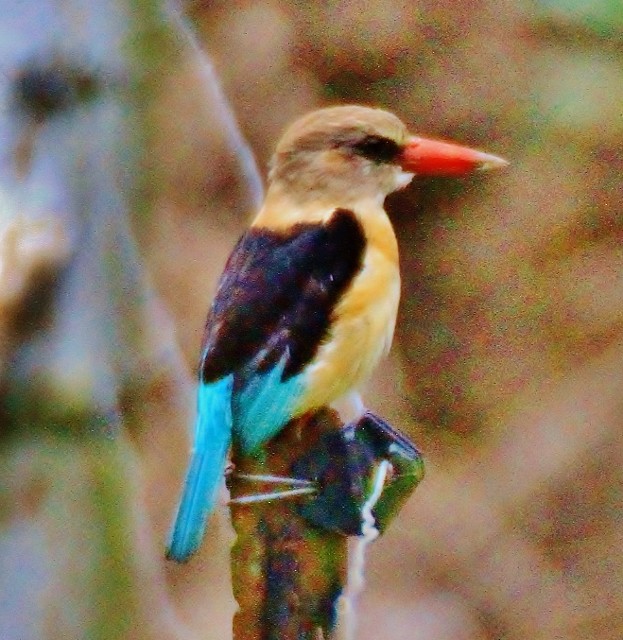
x=436, y=158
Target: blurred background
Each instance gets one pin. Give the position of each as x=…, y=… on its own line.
x=507, y=368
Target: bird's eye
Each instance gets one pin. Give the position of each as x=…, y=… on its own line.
x=377, y=148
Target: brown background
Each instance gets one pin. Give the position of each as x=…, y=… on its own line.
x=508, y=363
x=507, y=368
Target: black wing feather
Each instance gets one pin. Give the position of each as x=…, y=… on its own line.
x=277, y=294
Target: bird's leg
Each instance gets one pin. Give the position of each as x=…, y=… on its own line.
x=350, y=407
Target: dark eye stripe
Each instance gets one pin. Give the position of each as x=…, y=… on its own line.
x=377, y=148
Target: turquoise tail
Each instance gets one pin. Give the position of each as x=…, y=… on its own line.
x=205, y=472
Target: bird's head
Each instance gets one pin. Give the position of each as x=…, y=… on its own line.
x=347, y=153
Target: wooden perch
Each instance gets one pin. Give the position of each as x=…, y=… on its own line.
x=289, y=563
x=286, y=573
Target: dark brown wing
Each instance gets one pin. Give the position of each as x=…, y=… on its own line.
x=277, y=294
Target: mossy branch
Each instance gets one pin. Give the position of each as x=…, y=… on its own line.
x=290, y=560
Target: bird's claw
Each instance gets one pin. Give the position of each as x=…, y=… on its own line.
x=299, y=487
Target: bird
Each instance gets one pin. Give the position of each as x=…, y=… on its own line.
x=307, y=302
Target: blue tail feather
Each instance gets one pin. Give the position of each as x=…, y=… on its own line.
x=213, y=430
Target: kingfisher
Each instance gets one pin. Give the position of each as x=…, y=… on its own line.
x=306, y=305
